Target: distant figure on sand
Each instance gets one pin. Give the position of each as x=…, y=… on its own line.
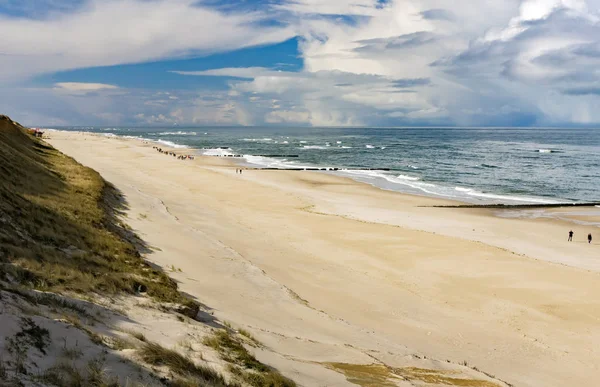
x=590, y=238
x=571, y=236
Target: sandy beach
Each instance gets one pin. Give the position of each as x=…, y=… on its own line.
x=325, y=270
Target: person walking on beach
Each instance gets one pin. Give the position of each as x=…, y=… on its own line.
x=590, y=238
x=570, y=236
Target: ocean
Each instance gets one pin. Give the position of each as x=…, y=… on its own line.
x=473, y=165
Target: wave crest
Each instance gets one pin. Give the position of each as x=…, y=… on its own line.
x=178, y=133
x=313, y=147
x=171, y=144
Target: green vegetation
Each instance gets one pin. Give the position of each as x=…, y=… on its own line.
x=249, y=336
x=30, y=335
x=58, y=226
x=183, y=366
x=244, y=364
x=65, y=374
x=72, y=353
x=120, y=344
x=138, y=335
x=51, y=300
x=33, y=335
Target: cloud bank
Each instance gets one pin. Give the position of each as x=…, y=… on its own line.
x=365, y=62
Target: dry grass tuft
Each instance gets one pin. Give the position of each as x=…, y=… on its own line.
x=65, y=374
x=249, y=336
x=72, y=353
x=119, y=344
x=243, y=364
x=157, y=355
x=138, y=335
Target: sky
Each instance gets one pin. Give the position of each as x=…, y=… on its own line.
x=300, y=62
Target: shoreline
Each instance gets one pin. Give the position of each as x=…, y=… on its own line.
x=445, y=202
x=382, y=178
x=550, y=209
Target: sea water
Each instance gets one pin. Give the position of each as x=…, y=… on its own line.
x=475, y=165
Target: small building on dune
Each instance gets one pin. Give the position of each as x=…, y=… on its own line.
x=36, y=132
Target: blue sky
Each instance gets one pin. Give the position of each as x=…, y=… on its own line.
x=300, y=62
x=159, y=75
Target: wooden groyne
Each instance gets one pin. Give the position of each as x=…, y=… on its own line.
x=297, y=169
x=521, y=206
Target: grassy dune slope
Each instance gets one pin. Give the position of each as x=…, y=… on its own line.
x=61, y=242
x=58, y=230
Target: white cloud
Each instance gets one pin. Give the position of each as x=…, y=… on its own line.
x=477, y=63
x=80, y=87
x=336, y=7
x=238, y=72
x=331, y=97
x=190, y=108
x=109, y=32
x=366, y=62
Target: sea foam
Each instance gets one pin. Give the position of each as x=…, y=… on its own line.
x=217, y=152
x=411, y=178
x=171, y=144
x=521, y=199
x=313, y=147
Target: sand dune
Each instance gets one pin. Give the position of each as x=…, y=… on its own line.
x=324, y=270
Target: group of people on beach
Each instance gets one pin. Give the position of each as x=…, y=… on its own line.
x=238, y=171
x=571, y=237
x=168, y=153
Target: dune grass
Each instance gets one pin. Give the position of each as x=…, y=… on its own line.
x=183, y=366
x=59, y=229
x=66, y=374
x=243, y=364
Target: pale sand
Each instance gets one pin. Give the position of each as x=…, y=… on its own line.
x=323, y=269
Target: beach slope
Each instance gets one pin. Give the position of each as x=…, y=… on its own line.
x=80, y=304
